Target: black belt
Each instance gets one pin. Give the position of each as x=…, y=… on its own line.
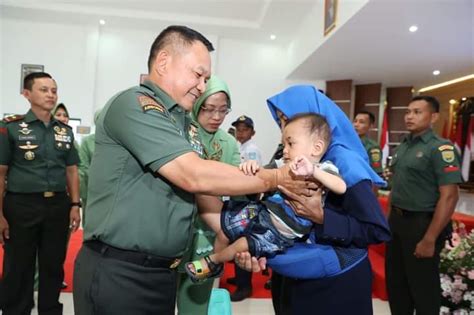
x=45, y=194
x=406, y=213
x=133, y=257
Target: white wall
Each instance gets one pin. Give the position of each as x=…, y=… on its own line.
x=91, y=64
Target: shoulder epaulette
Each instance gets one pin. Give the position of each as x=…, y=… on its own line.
x=12, y=118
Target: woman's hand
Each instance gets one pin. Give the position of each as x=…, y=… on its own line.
x=306, y=204
x=247, y=262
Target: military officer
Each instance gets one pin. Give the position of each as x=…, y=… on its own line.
x=40, y=201
x=424, y=193
x=363, y=121
x=143, y=176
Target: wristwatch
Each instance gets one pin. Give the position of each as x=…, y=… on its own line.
x=78, y=204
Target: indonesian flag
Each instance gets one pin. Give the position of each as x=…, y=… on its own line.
x=466, y=157
x=457, y=137
x=384, y=138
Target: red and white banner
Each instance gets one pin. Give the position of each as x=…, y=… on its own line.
x=384, y=138
x=467, y=154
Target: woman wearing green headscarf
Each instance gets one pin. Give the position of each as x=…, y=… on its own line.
x=209, y=112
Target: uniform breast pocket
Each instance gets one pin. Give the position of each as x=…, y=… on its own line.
x=419, y=164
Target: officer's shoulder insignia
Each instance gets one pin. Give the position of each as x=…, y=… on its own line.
x=445, y=147
x=147, y=103
x=12, y=118
x=447, y=156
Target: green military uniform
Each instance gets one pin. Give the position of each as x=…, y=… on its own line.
x=138, y=222
x=193, y=299
x=36, y=206
x=420, y=166
x=374, y=153
x=85, y=155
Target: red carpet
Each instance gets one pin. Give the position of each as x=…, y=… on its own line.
x=75, y=244
x=258, y=280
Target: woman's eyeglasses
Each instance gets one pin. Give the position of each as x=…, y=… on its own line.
x=212, y=111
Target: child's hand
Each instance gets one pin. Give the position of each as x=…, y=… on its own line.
x=250, y=167
x=301, y=166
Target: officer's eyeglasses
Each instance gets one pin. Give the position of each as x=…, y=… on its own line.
x=212, y=111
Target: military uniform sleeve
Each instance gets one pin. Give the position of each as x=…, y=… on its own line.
x=5, y=149
x=144, y=127
x=446, y=165
x=72, y=157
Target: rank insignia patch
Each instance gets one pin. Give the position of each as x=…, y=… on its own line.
x=147, y=103
x=446, y=147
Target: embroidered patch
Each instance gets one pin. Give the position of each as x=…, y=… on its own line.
x=375, y=155
x=451, y=168
x=3, y=130
x=445, y=147
x=419, y=154
x=448, y=156
x=147, y=103
x=376, y=164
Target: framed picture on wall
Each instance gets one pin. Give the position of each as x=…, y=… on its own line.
x=330, y=15
x=27, y=69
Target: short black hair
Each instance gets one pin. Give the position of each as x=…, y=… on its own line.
x=371, y=116
x=431, y=100
x=176, y=35
x=29, y=80
x=316, y=124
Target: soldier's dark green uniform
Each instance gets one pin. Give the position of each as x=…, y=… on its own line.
x=374, y=153
x=420, y=166
x=36, y=207
x=138, y=222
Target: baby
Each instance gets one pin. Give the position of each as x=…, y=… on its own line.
x=269, y=227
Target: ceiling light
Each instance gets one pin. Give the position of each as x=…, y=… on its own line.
x=413, y=28
x=102, y=22
x=273, y=37
x=436, y=72
x=452, y=101
x=463, y=99
x=436, y=86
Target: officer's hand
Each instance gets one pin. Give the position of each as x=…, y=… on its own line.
x=309, y=207
x=246, y=262
x=296, y=184
x=74, y=219
x=424, y=249
x=4, y=230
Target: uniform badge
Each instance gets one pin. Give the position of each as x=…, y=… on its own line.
x=28, y=146
x=446, y=147
x=193, y=138
x=375, y=155
x=60, y=130
x=29, y=155
x=147, y=103
x=419, y=154
x=68, y=146
x=448, y=156
x=60, y=145
x=23, y=125
x=25, y=131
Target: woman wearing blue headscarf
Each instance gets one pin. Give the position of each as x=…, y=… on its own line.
x=353, y=219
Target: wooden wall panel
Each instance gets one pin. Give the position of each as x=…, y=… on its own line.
x=397, y=103
x=340, y=92
x=367, y=98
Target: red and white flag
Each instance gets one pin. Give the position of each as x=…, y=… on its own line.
x=467, y=154
x=457, y=137
x=384, y=138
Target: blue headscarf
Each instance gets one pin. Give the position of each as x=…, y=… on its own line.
x=346, y=150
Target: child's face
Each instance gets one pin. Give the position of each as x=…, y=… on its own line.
x=298, y=141
x=243, y=133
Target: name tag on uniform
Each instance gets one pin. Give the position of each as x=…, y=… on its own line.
x=28, y=137
x=62, y=138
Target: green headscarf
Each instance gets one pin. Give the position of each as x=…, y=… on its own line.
x=218, y=146
x=60, y=105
